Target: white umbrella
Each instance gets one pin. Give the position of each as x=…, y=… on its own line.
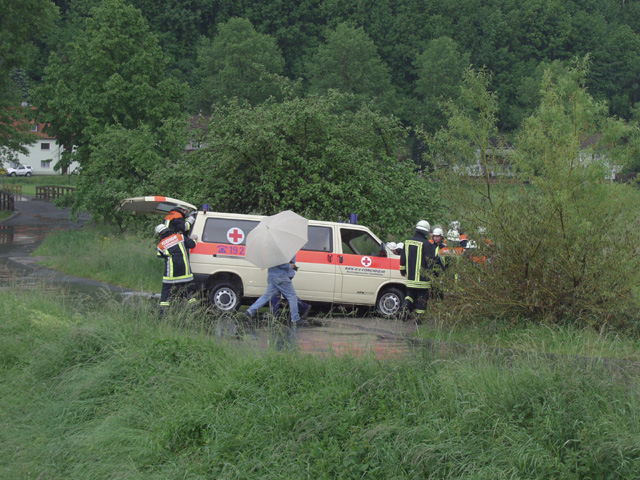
x=276, y=239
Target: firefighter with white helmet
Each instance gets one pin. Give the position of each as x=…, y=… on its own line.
x=417, y=259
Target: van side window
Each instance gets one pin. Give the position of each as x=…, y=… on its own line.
x=357, y=242
x=215, y=230
x=319, y=239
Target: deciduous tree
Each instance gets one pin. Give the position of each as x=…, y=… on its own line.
x=239, y=62
x=111, y=79
x=309, y=155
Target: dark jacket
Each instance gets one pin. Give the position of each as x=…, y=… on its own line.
x=173, y=247
x=418, y=260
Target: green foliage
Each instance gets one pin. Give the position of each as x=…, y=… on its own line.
x=101, y=390
x=308, y=155
x=21, y=25
x=105, y=254
x=563, y=246
x=122, y=163
x=440, y=70
x=349, y=62
x=113, y=74
x=239, y=62
x=107, y=89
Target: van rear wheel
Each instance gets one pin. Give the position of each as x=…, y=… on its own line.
x=390, y=302
x=225, y=297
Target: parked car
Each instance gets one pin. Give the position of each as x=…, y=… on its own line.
x=21, y=171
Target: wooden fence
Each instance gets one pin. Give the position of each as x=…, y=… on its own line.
x=51, y=192
x=6, y=201
x=15, y=190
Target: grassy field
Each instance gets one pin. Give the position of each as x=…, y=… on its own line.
x=29, y=184
x=105, y=255
x=103, y=391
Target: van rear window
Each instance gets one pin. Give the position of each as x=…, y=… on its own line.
x=227, y=230
x=320, y=239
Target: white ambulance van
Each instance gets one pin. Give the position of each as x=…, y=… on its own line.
x=341, y=263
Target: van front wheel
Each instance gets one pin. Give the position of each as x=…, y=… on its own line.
x=225, y=297
x=390, y=302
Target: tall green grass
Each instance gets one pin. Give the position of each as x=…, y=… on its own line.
x=104, y=254
x=528, y=337
x=105, y=391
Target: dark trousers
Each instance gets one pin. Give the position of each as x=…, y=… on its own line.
x=276, y=300
x=416, y=299
x=177, y=290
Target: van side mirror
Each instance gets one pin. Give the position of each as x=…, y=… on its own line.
x=383, y=250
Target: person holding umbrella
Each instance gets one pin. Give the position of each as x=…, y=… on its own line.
x=273, y=245
x=278, y=282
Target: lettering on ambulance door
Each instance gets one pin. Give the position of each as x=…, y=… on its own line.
x=316, y=275
x=362, y=267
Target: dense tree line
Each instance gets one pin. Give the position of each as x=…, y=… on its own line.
x=510, y=38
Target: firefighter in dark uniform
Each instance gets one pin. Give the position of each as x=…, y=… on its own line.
x=439, y=264
x=178, y=220
x=177, y=278
x=417, y=260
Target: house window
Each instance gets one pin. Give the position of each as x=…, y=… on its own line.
x=45, y=163
x=45, y=146
x=34, y=127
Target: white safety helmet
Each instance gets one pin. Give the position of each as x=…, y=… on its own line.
x=438, y=231
x=160, y=229
x=423, y=226
x=471, y=244
x=392, y=245
x=453, y=236
x=455, y=225
x=400, y=246
x=482, y=230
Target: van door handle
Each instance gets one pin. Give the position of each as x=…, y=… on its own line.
x=341, y=258
x=329, y=257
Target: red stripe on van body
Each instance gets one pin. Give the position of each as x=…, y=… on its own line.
x=303, y=256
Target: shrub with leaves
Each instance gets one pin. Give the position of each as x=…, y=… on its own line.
x=310, y=155
x=564, y=240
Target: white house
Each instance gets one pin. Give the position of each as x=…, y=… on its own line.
x=43, y=155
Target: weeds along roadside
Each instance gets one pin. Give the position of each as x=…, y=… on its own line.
x=111, y=392
x=103, y=253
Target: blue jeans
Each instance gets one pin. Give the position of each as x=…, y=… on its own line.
x=278, y=284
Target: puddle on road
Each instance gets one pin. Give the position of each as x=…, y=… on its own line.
x=351, y=336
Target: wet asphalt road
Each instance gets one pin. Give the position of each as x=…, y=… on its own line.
x=21, y=234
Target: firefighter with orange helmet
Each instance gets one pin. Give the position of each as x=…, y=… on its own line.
x=173, y=248
x=178, y=220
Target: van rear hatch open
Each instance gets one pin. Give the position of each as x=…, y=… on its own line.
x=153, y=204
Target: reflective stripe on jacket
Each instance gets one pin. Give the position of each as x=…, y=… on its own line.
x=173, y=248
x=416, y=259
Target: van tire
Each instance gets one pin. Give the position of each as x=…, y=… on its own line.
x=225, y=297
x=389, y=302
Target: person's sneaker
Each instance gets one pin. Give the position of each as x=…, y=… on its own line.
x=300, y=323
x=247, y=316
x=305, y=311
